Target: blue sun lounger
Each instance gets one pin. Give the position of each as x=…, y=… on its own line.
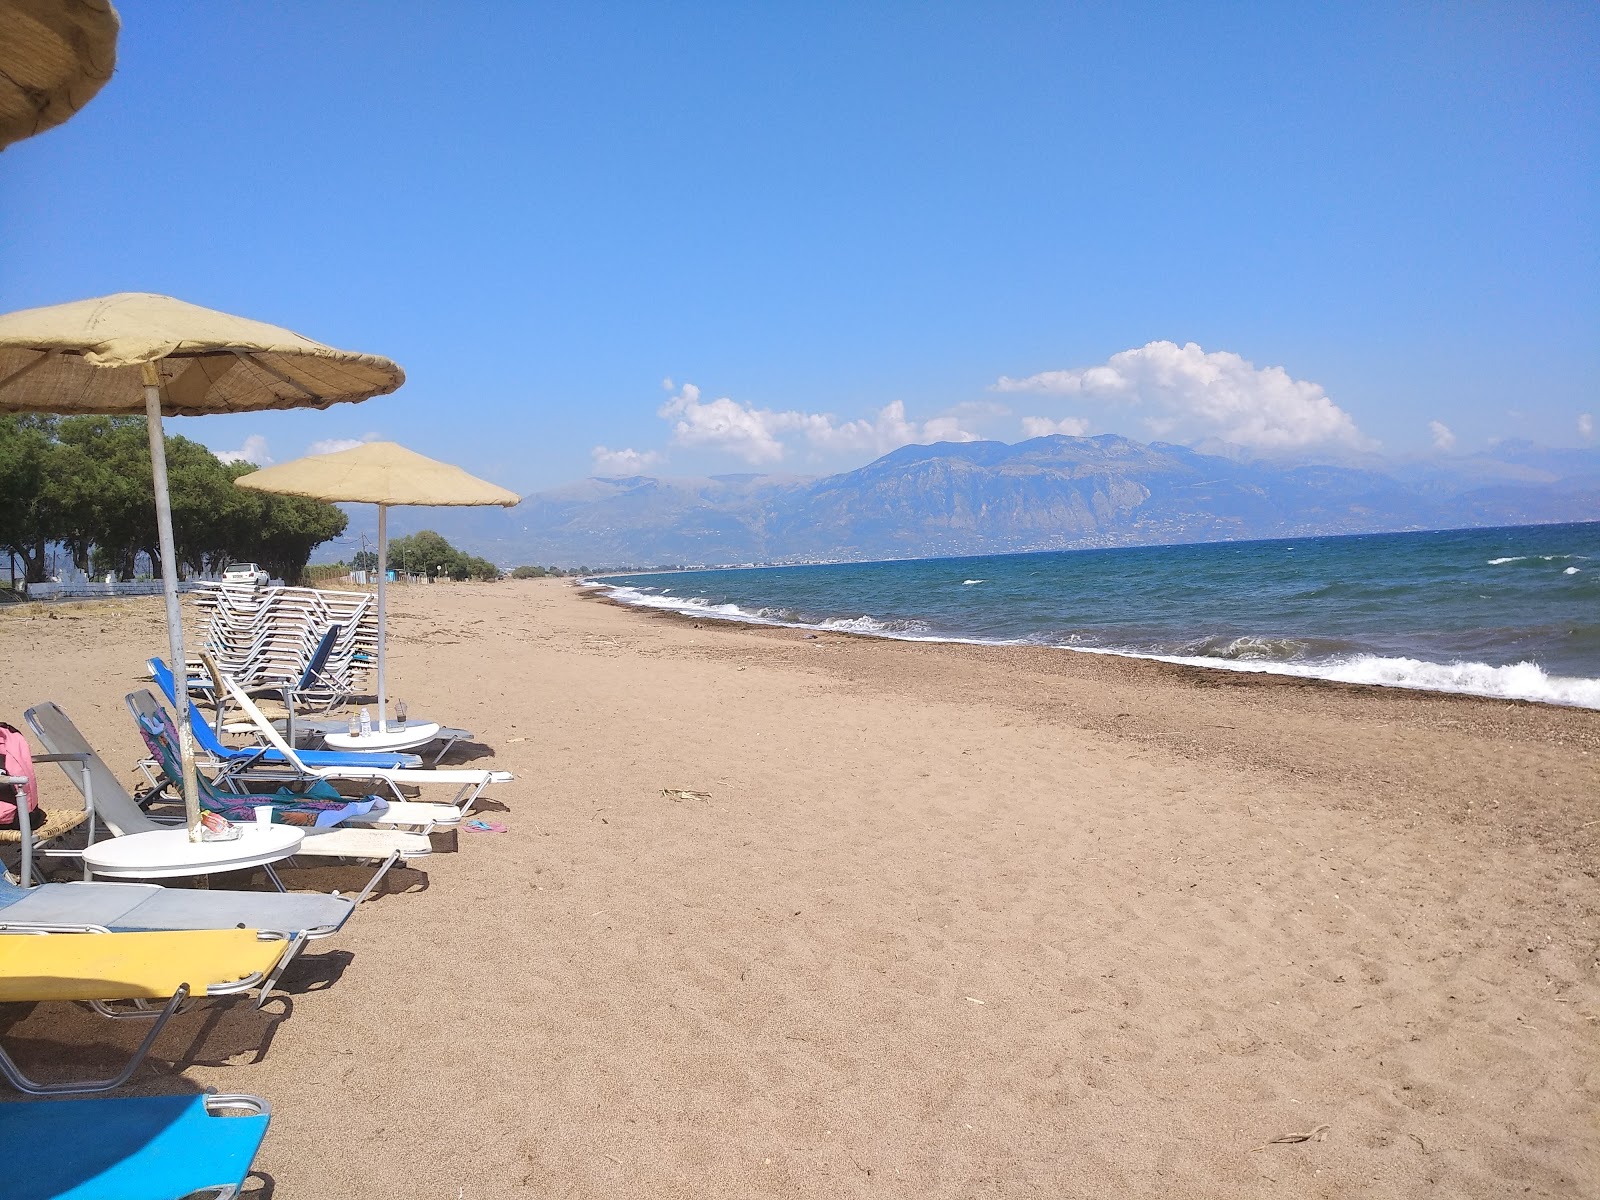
x=252, y=756
x=130, y=1148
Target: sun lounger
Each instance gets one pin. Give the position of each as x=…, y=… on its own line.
x=39, y=967
x=148, y=908
x=223, y=755
x=123, y=816
x=470, y=784
x=156, y=726
x=131, y=1147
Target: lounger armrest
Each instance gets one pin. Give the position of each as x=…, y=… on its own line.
x=237, y=1102
x=39, y=927
x=81, y=757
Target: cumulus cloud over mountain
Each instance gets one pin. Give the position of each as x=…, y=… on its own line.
x=761, y=435
x=623, y=462
x=1184, y=394
x=1044, y=426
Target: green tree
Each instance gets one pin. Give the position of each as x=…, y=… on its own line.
x=422, y=553
x=26, y=443
x=105, y=493
x=291, y=527
x=84, y=483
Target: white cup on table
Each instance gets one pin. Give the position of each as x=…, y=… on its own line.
x=263, y=816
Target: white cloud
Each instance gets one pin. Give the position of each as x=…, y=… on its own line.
x=1043, y=426
x=334, y=445
x=1188, y=394
x=623, y=462
x=1586, y=426
x=887, y=430
x=757, y=435
x=254, y=450
x=725, y=424
x=1444, y=437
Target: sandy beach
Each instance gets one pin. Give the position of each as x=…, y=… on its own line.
x=949, y=921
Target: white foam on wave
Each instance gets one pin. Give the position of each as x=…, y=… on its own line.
x=970, y=582
x=1519, y=681
x=866, y=624
x=698, y=605
x=1500, y=562
x=1570, y=571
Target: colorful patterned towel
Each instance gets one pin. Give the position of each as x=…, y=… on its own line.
x=318, y=807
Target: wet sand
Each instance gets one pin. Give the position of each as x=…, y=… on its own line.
x=950, y=921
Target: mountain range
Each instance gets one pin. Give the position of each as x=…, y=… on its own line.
x=1048, y=493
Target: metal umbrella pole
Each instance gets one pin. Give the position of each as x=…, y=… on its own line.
x=169, y=585
x=383, y=587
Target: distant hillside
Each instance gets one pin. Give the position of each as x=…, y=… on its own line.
x=1049, y=493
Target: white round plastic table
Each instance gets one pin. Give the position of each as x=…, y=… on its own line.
x=403, y=737
x=169, y=854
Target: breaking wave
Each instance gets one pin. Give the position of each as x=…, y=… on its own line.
x=1305, y=658
x=1519, y=681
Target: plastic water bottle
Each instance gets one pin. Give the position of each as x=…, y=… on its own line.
x=366, y=723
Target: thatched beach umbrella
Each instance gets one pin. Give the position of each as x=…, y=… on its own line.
x=54, y=56
x=139, y=353
x=384, y=474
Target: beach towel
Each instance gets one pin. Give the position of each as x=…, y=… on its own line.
x=16, y=760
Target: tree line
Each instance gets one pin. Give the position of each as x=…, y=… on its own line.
x=82, y=485
x=428, y=553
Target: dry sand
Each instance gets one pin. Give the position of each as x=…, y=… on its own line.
x=953, y=922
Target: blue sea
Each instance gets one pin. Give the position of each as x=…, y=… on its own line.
x=1511, y=613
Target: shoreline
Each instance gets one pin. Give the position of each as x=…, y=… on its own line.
x=1211, y=705
x=1272, y=670
x=825, y=916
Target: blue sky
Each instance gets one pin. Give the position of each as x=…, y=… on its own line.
x=727, y=237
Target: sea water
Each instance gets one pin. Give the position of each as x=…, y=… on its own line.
x=1511, y=613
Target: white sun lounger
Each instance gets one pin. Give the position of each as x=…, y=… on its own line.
x=122, y=815
x=470, y=784
x=419, y=817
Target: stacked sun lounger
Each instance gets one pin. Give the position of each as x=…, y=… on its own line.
x=265, y=637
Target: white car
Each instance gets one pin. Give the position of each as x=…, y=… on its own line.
x=246, y=573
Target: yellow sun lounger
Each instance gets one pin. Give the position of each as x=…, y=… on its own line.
x=43, y=965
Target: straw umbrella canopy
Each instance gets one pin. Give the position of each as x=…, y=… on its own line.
x=140, y=353
x=384, y=474
x=54, y=56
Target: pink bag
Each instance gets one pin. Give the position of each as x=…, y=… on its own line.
x=16, y=759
